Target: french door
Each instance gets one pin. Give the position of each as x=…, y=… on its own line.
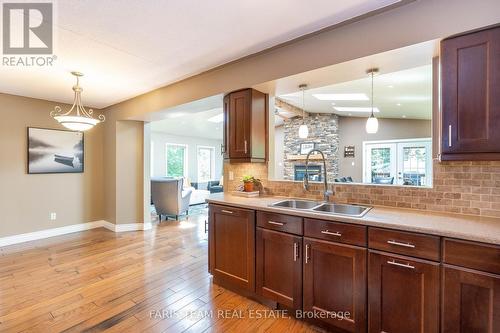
x=402, y=162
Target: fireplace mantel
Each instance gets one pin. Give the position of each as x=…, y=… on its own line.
x=303, y=157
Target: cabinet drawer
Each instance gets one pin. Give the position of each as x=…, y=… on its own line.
x=280, y=222
x=483, y=257
x=408, y=243
x=335, y=231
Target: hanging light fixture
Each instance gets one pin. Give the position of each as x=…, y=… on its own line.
x=372, y=122
x=303, y=130
x=77, y=118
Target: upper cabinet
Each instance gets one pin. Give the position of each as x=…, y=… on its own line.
x=245, y=126
x=470, y=70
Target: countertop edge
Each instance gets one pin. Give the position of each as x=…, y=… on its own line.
x=366, y=220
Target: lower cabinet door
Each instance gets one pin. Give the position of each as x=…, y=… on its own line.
x=335, y=284
x=471, y=301
x=279, y=267
x=232, y=246
x=403, y=294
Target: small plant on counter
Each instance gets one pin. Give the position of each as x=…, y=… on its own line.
x=249, y=182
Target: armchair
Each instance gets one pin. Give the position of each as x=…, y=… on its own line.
x=169, y=197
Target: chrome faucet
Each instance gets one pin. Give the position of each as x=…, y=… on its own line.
x=327, y=193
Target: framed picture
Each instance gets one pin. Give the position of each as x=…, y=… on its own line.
x=55, y=151
x=306, y=147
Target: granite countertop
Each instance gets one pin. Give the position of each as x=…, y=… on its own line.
x=467, y=227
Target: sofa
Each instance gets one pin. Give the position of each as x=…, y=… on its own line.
x=169, y=197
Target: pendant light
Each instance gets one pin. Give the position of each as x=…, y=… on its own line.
x=303, y=130
x=372, y=122
x=81, y=119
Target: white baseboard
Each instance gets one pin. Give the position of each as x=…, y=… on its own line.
x=31, y=236
x=126, y=226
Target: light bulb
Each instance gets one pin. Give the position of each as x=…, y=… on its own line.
x=303, y=131
x=372, y=125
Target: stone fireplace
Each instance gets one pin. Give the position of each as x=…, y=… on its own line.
x=323, y=132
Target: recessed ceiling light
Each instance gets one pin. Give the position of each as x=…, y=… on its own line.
x=175, y=115
x=217, y=118
x=391, y=86
x=341, y=97
x=399, y=104
x=403, y=116
x=333, y=103
x=355, y=109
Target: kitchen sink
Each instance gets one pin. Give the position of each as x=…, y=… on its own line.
x=341, y=209
x=325, y=208
x=296, y=204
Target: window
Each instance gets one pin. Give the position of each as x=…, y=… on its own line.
x=206, y=163
x=176, y=160
x=403, y=162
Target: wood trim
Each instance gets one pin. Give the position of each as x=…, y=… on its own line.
x=471, y=157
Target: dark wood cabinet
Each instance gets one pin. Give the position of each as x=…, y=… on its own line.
x=335, y=282
x=232, y=246
x=403, y=294
x=470, y=86
x=245, y=126
x=279, y=267
x=471, y=301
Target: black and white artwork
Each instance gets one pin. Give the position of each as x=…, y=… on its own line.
x=54, y=151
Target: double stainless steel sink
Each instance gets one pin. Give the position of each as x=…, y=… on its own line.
x=323, y=207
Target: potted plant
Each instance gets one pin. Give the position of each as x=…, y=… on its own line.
x=249, y=182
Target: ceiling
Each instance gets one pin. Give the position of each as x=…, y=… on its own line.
x=401, y=94
x=192, y=119
x=129, y=47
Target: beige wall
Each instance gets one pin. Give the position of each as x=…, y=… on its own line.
x=129, y=171
x=416, y=22
x=27, y=200
x=352, y=133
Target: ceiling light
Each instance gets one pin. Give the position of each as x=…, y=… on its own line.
x=403, y=116
x=341, y=97
x=333, y=103
x=399, y=104
x=217, y=118
x=81, y=119
x=372, y=122
x=355, y=109
x=176, y=115
x=391, y=86
x=303, y=130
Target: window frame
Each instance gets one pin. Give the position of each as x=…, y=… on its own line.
x=212, y=163
x=186, y=153
x=396, y=155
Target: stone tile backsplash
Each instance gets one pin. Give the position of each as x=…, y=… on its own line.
x=471, y=188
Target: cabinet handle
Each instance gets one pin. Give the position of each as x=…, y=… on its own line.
x=393, y=262
x=246, y=146
x=393, y=242
x=307, y=253
x=449, y=135
x=336, y=233
x=276, y=223
x=222, y=150
x=295, y=251
x=226, y=211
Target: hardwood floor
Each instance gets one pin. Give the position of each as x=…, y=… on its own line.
x=152, y=281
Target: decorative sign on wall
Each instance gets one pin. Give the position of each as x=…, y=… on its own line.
x=54, y=151
x=348, y=151
x=306, y=147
